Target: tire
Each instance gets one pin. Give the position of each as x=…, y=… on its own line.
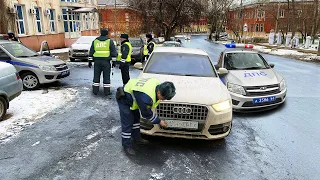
x=3, y=108
x=72, y=59
x=30, y=81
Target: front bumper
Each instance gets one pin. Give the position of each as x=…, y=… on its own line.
x=242, y=103
x=216, y=126
x=51, y=76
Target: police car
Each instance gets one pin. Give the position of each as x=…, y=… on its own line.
x=253, y=83
x=33, y=68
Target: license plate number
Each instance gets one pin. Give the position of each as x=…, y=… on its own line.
x=64, y=73
x=263, y=100
x=182, y=124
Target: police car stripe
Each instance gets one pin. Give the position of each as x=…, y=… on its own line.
x=19, y=63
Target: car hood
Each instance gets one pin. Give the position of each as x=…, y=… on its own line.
x=253, y=77
x=81, y=46
x=41, y=60
x=194, y=90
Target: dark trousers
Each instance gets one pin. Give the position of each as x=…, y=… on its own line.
x=130, y=124
x=125, y=72
x=103, y=66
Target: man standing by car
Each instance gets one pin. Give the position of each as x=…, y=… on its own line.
x=140, y=96
x=125, y=57
x=151, y=45
x=101, y=52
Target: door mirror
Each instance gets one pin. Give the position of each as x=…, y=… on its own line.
x=138, y=65
x=271, y=65
x=46, y=53
x=222, y=71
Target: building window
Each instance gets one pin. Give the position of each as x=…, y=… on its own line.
x=52, y=24
x=38, y=19
x=20, y=19
x=261, y=27
x=282, y=13
x=65, y=20
x=257, y=27
x=93, y=22
x=71, y=21
x=87, y=22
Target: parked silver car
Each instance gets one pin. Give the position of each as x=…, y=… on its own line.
x=34, y=69
x=10, y=86
x=80, y=49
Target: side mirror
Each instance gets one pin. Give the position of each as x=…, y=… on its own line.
x=138, y=65
x=46, y=54
x=223, y=71
x=271, y=65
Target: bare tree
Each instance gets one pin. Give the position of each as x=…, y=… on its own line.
x=167, y=15
x=215, y=11
x=315, y=19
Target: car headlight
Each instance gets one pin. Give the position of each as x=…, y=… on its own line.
x=236, y=89
x=47, y=68
x=225, y=105
x=282, y=85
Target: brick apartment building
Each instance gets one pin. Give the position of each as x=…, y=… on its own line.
x=127, y=20
x=59, y=22
x=261, y=18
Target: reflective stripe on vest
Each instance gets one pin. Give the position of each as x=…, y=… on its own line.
x=102, y=48
x=145, y=48
x=128, y=59
x=147, y=86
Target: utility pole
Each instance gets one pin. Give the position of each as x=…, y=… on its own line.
x=318, y=54
x=115, y=21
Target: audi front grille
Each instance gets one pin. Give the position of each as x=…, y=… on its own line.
x=183, y=112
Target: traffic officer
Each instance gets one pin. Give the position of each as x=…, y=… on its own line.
x=140, y=96
x=151, y=45
x=124, y=57
x=101, y=52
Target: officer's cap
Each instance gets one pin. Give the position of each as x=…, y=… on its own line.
x=167, y=90
x=149, y=36
x=104, y=32
x=126, y=36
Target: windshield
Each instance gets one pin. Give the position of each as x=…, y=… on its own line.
x=18, y=50
x=86, y=40
x=180, y=64
x=171, y=44
x=135, y=42
x=244, y=61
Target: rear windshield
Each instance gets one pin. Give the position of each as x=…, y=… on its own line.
x=180, y=64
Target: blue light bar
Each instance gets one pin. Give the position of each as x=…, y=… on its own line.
x=230, y=46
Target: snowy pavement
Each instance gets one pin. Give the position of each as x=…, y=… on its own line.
x=30, y=106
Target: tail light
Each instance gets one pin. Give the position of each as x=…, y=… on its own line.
x=18, y=77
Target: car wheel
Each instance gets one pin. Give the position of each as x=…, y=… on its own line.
x=3, y=108
x=30, y=81
x=72, y=59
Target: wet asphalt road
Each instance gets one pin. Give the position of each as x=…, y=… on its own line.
x=82, y=139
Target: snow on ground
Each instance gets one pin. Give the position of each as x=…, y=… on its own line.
x=30, y=106
x=56, y=51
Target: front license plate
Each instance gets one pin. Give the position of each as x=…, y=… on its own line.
x=182, y=124
x=64, y=73
x=263, y=100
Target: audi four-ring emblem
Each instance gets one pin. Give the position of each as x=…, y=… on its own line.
x=182, y=110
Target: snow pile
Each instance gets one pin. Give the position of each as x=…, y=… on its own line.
x=30, y=106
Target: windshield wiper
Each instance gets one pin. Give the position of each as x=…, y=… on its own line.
x=254, y=68
x=34, y=55
x=23, y=56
